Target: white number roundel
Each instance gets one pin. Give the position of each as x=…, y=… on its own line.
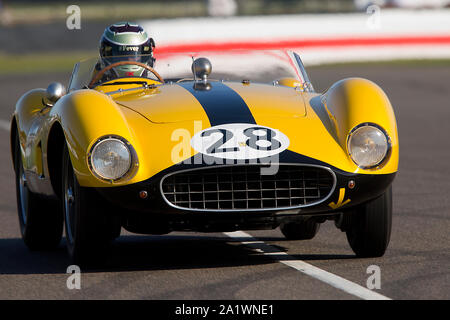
x=240, y=141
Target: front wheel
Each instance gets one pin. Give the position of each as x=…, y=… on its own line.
x=88, y=224
x=370, y=228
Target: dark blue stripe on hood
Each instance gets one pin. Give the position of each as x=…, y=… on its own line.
x=221, y=104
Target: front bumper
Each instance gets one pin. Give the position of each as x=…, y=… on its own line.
x=143, y=215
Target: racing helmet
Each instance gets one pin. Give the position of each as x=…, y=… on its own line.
x=124, y=41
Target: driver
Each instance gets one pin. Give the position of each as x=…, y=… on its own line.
x=125, y=41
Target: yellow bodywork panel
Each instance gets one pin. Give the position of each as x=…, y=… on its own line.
x=30, y=117
x=279, y=102
x=28, y=109
x=159, y=122
x=169, y=103
x=289, y=82
x=309, y=134
x=124, y=84
x=89, y=115
x=354, y=101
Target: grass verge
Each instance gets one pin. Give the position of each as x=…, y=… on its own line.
x=41, y=62
x=47, y=12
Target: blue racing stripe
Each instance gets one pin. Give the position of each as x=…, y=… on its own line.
x=221, y=104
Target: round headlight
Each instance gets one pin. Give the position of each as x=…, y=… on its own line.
x=368, y=146
x=110, y=159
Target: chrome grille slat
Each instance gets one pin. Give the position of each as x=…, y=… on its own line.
x=242, y=187
x=238, y=190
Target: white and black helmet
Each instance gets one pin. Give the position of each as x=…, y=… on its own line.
x=126, y=41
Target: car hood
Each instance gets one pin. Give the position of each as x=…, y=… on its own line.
x=220, y=102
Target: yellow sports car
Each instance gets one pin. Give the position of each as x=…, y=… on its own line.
x=211, y=142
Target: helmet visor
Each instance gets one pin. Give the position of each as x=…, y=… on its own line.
x=143, y=58
x=112, y=53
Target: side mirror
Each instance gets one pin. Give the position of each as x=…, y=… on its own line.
x=54, y=92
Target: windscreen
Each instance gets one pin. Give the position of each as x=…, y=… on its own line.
x=262, y=66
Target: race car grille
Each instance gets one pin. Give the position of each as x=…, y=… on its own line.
x=245, y=188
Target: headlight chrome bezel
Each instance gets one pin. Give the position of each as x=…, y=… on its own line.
x=133, y=159
x=386, y=157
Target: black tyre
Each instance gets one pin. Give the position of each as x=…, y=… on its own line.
x=89, y=225
x=370, y=229
x=41, y=220
x=303, y=230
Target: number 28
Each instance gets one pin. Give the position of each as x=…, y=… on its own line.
x=259, y=138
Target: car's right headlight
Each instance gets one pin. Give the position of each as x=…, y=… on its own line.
x=110, y=158
x=368, y=145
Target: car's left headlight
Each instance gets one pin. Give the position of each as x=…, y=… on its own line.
x=110, y=158
x=368, y=145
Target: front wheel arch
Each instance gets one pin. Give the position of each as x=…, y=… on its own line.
x=14, y=136
x=55, y=146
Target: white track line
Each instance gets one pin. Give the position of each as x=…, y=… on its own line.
x=4, y=125
x=306, y=268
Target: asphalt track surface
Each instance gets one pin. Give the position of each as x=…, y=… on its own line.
x=215, y=266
